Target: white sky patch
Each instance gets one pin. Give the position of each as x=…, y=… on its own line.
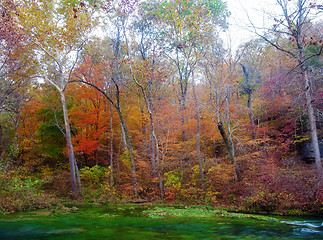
x=260, y=12
x=240, y=28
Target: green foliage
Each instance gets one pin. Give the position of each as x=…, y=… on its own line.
x=219, y=10
x=10, y=151
x=8, y=139
x=95, y=183
x=52, y=141
x=172, y=179
x=19, y=194
x=93, y=177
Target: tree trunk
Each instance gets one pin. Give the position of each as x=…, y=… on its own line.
x=124, y=139
x=230, y=151
x=308, y=95
x=149, y=105
x=182, y=110
x=248, y=89
x=153, y=153
x=312, y=120
x=96, y=157
x=252, y=121
x=111, y=146
x=132, y=159
x=70, y=150
x=198, y=136
x=154, y=140
x=156, y=156
x=78, y=179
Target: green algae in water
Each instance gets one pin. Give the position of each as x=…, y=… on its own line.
x=118, y=222
x=201, y=212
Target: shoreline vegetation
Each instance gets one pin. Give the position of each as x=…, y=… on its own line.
x=18, y=195
x=24, y=194
x=148, y=208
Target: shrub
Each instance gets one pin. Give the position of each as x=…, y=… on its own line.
x=17, y=194
x=96, y=186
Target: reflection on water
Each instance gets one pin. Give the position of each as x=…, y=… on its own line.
x=100, y=223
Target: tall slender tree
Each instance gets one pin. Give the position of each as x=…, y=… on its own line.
x=294, y=24
x=58, y=31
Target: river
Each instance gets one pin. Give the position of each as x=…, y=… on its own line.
x=103, y=223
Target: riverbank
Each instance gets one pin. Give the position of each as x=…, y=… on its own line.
x=52, y=203
x=18, y=195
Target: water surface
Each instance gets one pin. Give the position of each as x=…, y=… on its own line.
x=119, y=223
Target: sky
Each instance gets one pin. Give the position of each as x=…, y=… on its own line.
x=258, y=11
x=239, y=25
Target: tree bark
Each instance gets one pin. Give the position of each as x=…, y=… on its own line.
x=149, y=106
x=70, y=150
x=313, y=128
x=248, y=89
x=308, y=95
x=154, y=139
x=132, y=159
x=230, y=151
x=111, y=147
x=198, y=135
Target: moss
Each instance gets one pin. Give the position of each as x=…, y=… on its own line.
x=201, y=212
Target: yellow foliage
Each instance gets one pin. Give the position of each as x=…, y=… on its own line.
x=221, y=173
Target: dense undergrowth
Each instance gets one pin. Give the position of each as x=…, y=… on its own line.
x=272, y=183
x=19, y=194
x=26, y=193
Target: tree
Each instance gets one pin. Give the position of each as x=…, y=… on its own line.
x=58, y=31
x=198, y=134
x=147, y=77
x=185, y=28
x=88, y=115
x=219, y=71
x=40, y=140
x=251, y=61
x=17, y=65
x=295, y=24
x=110, y=85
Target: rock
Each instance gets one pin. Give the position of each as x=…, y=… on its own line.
x=307, y=153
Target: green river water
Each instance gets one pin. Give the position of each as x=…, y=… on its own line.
x=112, y=222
